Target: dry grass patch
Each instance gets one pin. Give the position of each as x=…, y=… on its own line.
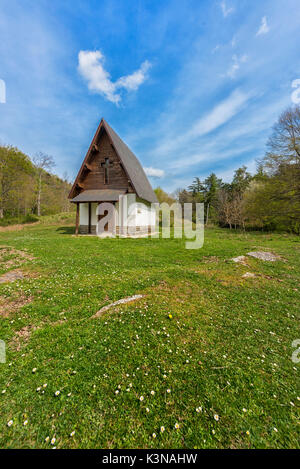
x=9, y=306
x=22, y=336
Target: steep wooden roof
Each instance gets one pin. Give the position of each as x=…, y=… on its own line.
x=129, y=161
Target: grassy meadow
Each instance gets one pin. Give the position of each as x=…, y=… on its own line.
x=203, y=360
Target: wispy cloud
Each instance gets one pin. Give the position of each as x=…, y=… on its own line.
x=91, y=67
x=264, y=27
x=236, y=64
x=154, y=172
x=221, y=113
x=226, y=10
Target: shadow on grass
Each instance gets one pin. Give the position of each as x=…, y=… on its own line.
x=66, y=230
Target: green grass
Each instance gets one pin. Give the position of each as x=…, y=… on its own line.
x=226, y=348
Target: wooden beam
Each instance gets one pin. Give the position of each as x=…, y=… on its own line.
x=95, y=147
x=80, y=185
x=90, y=218
x=77, y=219
x=88, y=166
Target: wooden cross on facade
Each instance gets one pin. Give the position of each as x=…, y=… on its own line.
x=106, y=165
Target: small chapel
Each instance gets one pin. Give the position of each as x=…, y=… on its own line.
x=111, y=173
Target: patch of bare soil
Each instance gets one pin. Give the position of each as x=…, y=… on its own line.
x=11, y=276
x=10, y=257
x=22, y=336
x=11, y=305
x=210, y=259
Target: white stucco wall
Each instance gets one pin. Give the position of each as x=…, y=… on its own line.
x=83, y=214
x=139, y=214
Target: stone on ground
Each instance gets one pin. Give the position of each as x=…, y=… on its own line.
x=129, y=299
x=240, y=259
x=248, y=275
x=264, y=256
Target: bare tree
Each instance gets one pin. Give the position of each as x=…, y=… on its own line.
x=43, y=163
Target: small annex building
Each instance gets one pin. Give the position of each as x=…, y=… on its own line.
x=109, y=172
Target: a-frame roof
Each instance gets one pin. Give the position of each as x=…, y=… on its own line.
x=129, y=161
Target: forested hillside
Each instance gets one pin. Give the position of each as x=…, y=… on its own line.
x=28, y=188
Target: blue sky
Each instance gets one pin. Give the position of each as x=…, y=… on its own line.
x=193, y=87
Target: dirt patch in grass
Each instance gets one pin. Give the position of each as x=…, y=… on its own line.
x=11, y=276
x=10, y=257
x=22, y=336
x=12, y=305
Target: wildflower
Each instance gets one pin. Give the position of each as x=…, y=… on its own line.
x=53, y=441
x=69, y=394
x=170, y=316
x=247, y=432
x=154, y=435
x=72, y=433
x=25, y=423
x=152, y=393
x=117, y=391
x=141, y=398
x=34, y=370
x=4, y=391
x=216, y=417
x=213, y=432
x=147, y=410
x=199, y=409
x=57, y=393
x=45, y=385
x=162, y=429
x=38, y=389
x=275, y=429
x=168, y=391
x=9, y=424
x=244, y=410
x=176, y=426
x=47, y=439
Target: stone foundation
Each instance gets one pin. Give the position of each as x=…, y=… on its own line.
x=140, y=230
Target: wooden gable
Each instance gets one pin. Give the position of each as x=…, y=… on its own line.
x=102, y=168
x=110, y=165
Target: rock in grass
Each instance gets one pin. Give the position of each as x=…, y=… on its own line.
x=264, y=256
x=119, y=302
x=240, y=259
x=248, y=275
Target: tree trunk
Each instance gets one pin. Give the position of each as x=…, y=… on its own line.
x=39, y=196
x=207, y=213
x=1, y=213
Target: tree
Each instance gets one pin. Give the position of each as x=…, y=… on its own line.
x=14, y=169
x=43, y=163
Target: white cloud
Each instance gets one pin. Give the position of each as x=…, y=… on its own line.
x=91, y=67
x=237, y=61
x=264, y=27
x=156, y=173
x=226, y=11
